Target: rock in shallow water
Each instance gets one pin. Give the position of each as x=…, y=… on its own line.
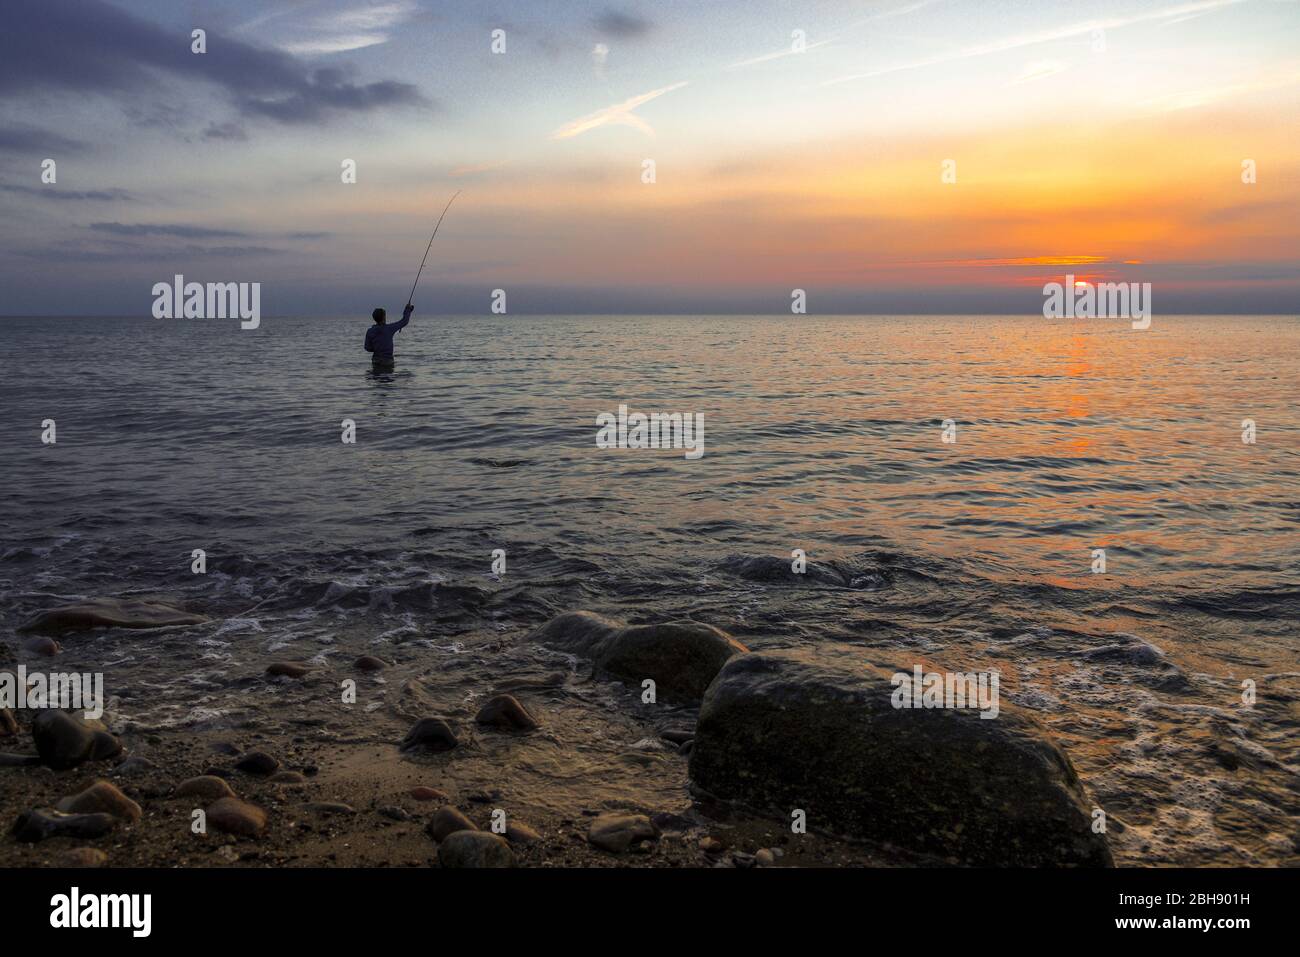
x=43, y=822
x=818, y=731
x=681, y=657
x=618, y=832
x=475, y=849
x=45, y=647
x=110, y=613
x=287, y=669
x=504, y=712
x=430, y=734
x=237, y=817
x=101, y=796
x=369, y=663
x=65, y=742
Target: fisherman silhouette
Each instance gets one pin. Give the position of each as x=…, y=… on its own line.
x=379, y=337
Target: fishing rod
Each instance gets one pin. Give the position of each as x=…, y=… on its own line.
x=430, y=246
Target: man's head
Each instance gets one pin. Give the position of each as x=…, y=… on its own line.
x=378, y=315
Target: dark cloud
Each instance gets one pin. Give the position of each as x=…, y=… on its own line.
x=55, y=192
x=19, y=139
x=225, y=131
x=90, y=47
x=624, y=26
x=167, y=229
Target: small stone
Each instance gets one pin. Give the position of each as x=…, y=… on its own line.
x=394, y=813
x=506, y=713
x=43, y=822
x=517, y=833
x=475, y=849
x=711, y=845
x=743, y=860
x=288, y=777
x=257, y=762
x=65, y=742
x=206, y=787
x=369, y=663
x=227, y=853
x=45, y=647
x=764, y=858
x=133, y=765
x=286, y=669
x=81, y=857
x=422, y=793
x=237, y=817
x=101, y=796
x=618, y=832
x=678, y=735
x=448, y=820
x=430, y=734
x=330, y=807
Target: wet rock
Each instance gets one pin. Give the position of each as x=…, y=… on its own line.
x=430, y=734
x=743, y=860
x=618, y=832
x=286, y=669
x=109, y=613
x=206, y=787
x=677, y=735
x=8, y=760
x=43, y=822
x=237, y=817
x=101, y=797
x=505, y=713
x=369, y=663
x=422, y=793
x=330, y=807
x=258, y=763
x=681, y=657
x=475, y=849
x=65, y=742
x=45, y=647
x=288, y=777
x=764, y=858
x=448, y=820
x=394, y=813
x=522, y=834
x=817, y=730
x=81, y=857
x=8, y=723
x=770, y=568
x=711, y=845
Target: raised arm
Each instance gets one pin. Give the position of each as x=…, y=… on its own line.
x=406, y=317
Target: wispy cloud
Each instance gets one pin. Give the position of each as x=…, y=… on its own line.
x=620, y=114
x=1083, y=28
x=351, y=29
x=624, y=26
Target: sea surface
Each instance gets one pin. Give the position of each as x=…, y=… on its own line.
x=821, y=434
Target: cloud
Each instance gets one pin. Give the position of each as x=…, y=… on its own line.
x=85, y=47
x=620, y=114
x=167, y=229
x=54, y=192
x=18, y=139
x=225, y=131
x=1084, y=28
x=624, y=26
x=352, y=29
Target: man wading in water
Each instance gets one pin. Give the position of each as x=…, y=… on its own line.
x=379, y=337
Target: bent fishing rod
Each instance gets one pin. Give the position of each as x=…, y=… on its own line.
x=430, y=246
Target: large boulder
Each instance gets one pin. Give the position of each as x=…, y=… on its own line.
x=818, y=731
x=109, y=613
x=681, y=657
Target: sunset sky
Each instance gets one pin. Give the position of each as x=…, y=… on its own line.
x=1102, y=139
